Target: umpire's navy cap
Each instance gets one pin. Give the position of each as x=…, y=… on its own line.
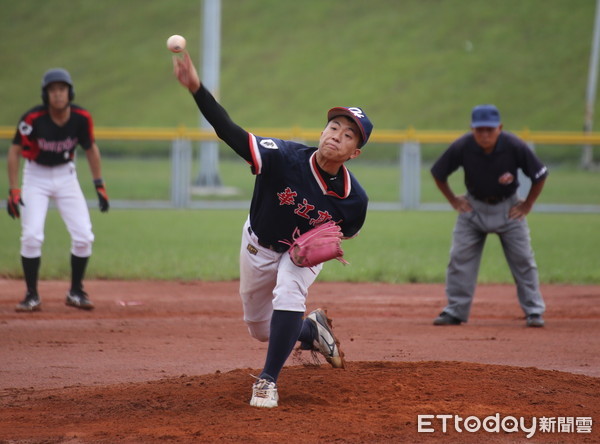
x=486, y=116
x=359, y=117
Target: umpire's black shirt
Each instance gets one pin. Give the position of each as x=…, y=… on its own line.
x=492, y=175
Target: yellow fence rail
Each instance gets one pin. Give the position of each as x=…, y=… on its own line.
x=408, y=140
x=297, y=133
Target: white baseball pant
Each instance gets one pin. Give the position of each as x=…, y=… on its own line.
x=270, y=281
x=42, y=183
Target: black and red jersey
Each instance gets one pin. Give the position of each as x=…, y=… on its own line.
x=47, y=143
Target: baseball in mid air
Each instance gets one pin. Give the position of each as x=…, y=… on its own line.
x=176, y=43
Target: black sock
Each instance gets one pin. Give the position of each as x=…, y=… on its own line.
x=31, y=268
x=78, y=265
x=307, y=334
x=285, y=329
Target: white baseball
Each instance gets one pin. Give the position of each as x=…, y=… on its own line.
x=176, y=43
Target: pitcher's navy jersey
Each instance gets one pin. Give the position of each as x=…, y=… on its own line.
x=290, y=192
x=47, y=143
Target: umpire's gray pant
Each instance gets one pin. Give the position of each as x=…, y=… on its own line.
x=468, y=239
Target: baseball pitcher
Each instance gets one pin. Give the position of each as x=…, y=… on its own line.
x=304, y=197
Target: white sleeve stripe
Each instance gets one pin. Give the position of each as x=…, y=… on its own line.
x=348, y=181
x=316, y=175
x=255, y=153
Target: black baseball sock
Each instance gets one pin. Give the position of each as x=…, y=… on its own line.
x=78, y=266
x=285, y=329
x=307, y=335
x=31, y=268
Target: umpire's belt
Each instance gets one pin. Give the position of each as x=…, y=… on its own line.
x=282, y=248
x=493, y=200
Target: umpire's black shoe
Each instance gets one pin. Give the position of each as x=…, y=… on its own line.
x=535, y=320
x=79, y=299
x=30, y=303
x=446, y=319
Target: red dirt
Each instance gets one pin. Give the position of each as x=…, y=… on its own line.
x=171, y=362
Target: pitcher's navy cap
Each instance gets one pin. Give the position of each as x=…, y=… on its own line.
x=359, y=117
x=485, y=116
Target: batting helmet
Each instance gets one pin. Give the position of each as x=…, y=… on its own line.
x=57, y=75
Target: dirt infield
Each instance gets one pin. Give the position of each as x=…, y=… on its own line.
x=171, y=362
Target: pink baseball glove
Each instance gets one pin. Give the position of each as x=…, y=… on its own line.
x=318, y=245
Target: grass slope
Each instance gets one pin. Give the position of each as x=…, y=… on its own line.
x=423, y=63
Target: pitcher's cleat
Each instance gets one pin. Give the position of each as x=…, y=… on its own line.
x=326, y=343
x=264, y=394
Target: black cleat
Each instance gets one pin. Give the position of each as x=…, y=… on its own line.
x=79, y=299
x=30, y=303
x=535, y=320
x=446, y=319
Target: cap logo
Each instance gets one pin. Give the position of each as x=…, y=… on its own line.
x=357, y=112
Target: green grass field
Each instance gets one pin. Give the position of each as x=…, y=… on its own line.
x=130, y=178
x=145, y=179
x=405, y=246
x=392, y=247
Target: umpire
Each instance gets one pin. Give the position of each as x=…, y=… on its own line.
x=490, y=159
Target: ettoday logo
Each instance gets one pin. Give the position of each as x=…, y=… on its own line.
x=447, y=423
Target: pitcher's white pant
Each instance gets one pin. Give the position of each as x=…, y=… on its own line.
x=42, y=183
x=270, y=281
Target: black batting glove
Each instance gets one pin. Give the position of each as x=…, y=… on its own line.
x=102, y=196
x=13, y=202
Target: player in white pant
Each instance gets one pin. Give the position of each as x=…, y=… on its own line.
x=297, y=188
x=46, y=137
